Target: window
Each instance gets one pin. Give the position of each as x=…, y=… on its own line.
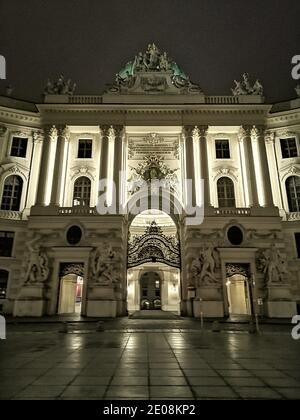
x=18, y=147
x=74, y=235
x=222, y=149
x=292, y=185
x=12, y=192
x=145, y=292
x=235, y=235
x=225, y=189
x=82, y=192
x=85, y=149
x=6, y=243
x=288, y=147
x=297, y=239
x=3, y=283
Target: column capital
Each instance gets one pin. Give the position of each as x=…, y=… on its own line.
x=244, y=131
x=64, y=132
x=3, y=130
x=37, y=137
x=50, y=132
x=202, y=130
x=269, y=137
x=257, y=132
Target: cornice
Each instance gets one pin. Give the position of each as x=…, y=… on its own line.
x=19, y=116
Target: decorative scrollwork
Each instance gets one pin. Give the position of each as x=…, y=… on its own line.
x=153, y=246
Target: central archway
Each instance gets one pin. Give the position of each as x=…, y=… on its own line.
x=153, y=252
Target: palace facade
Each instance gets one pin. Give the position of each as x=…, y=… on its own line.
x=59, y=253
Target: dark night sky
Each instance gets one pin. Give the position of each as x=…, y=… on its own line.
x=214, y=41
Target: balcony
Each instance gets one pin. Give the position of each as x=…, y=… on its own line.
x=78, y=210
x=294, y=216
x=232, y=211
x=10, y=214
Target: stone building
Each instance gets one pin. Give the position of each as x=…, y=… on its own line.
x=60, y=253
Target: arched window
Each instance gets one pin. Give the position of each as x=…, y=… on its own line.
x=12, y=192
x=3, y=283
x=292, y=185
x=82, y=191
x=225, y=192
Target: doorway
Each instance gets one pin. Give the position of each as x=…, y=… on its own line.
x=150, y=287
x=70, y=289
x=238, y=294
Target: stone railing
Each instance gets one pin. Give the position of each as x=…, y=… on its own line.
x=232, y=211
x=80, y=210
x=221, y=100
x=10, y=214
x=85, y=99
x=293, y=216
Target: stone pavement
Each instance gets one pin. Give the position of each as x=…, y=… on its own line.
x=148, y=363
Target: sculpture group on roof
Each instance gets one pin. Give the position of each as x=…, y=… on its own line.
x=152, y=61
x=245, y=87
x=61, y=86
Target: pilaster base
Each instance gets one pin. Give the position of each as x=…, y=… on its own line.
x=281, y=309
x=30, y=307
x=209, y=308
x=101, y=308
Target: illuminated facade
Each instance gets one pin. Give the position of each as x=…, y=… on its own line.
x=59, y=255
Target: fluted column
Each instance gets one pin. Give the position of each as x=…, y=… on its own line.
x=62, y=138
x=270, y=145
x=203, y=161
x=257, y=135
x=37, y=142
x=50, y=135
x=107, y=132
x=188, y=134
x=248, y=161
x=118, y=148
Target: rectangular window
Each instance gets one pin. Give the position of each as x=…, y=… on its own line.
x=18, y=147
x=145, y=292
x=288, y=148
x=222, y=149
x=85, y=149
x=6, y=243
x=297, y=239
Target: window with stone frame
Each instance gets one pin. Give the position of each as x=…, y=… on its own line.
x=288, y=147
x=293, y=193
x=6, y=243
x=226, y=196
x=85, y=148
x=222, y=149
x=18, y=147
x=12, y=193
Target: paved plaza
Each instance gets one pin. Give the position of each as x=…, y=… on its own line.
x=174, y=359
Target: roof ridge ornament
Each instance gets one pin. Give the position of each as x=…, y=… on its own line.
x=152, y=72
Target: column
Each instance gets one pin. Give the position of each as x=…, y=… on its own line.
x=50, y=135
x=257, y=135
x=189, y=166
x=106, y=133
x=275, y=180
x=203, y=161
x=248, y=161
x=37, y=142
x=62, y=138
x=118, y=158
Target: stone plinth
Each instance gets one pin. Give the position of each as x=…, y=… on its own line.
x=279, y=303
x=208, y=301
x=101, y=302
x=31, y=301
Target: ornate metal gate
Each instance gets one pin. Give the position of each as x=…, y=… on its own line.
x=153, y=246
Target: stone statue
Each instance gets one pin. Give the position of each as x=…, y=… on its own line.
x=103, y=265
x=60, y=87
x=272, y=264
x=37, y=270
x=245, y=87
x=203, y=267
